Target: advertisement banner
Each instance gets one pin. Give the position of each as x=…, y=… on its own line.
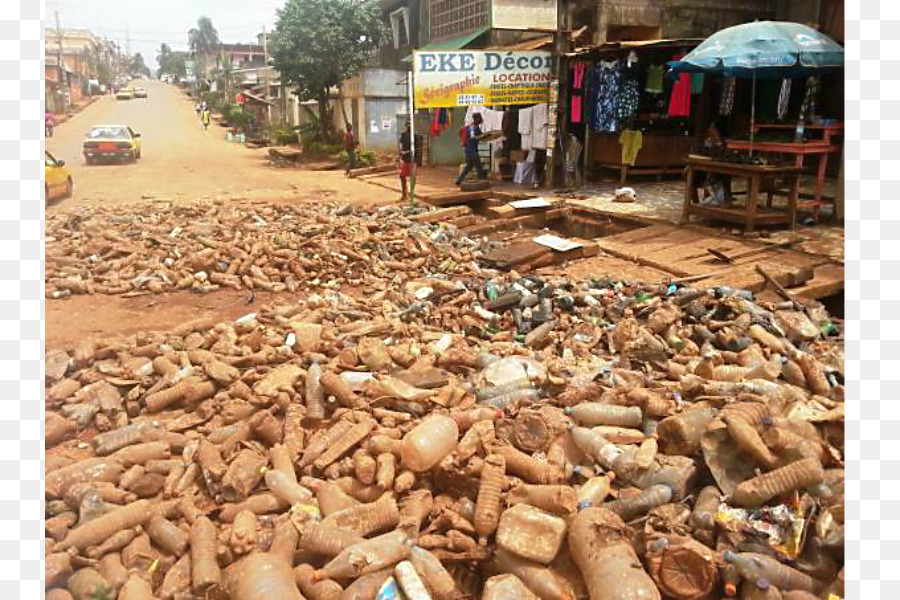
x=445, y=79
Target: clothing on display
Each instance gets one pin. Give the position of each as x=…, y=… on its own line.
x=680, y=102
x=539, y=126
x=525, y=127
x=629, y=94
x=576, y=109
x=696, y=83
x=654, y=79
x=727, y=102
x=578, y=76
x=631, y=142
x=784, y=97
x=604, y=99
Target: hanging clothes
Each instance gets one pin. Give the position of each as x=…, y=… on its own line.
x=767, y=95
x=578, y=76
x=525, y=127
x=631, y=142
x=629, y=92
x=784, y=97
x=809, y=100
x=435, y=128
x=576, y=107
x=680, y=101
x=654, y=79
x=539, y=126
x=727, y=102
x=696, y=83
x=605, y=97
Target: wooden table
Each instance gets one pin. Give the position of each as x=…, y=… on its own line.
x=821, y=147
x=759, y=178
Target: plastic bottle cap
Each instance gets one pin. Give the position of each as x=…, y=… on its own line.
x=730, y=589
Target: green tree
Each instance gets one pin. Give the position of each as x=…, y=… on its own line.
x=171, y=62
x=225, y=77
x=317, y=45
x=203, y=41
x=137, y=66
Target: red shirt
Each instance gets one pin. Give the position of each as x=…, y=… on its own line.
x=349, y=141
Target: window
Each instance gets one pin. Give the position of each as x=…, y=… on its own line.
x=450, y=18
x=400, y=27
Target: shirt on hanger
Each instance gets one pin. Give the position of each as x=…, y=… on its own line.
x=680, y=102
x=539, y=126
x=654, y=79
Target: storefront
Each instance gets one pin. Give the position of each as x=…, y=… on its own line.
x=626, y=114
x=510, y=89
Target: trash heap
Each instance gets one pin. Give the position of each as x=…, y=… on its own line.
x=484, y=437
x=157, y=247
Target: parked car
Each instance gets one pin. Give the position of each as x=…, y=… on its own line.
x=57, y=178
x=140, y=93
x=124, y=94
x=111, y=142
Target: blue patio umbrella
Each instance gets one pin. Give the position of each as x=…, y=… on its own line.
x=763, y=49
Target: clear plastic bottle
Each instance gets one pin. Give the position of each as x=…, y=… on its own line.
x=596, y=446
x=429, y=442
x=368, y=556
x=595, y=490
x=315, y=393
x=753, y=566
x=285, y=488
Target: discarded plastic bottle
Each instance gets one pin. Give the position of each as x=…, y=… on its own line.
x=595, y=413
x=315, y=393
x=797, y=475
x=640, y=504
x=429, y=442
x=704, y=514
x=595, y=490
x=368, y=556
x=522, y=396
x=595, y=446
x=753, y=567
x=285, y=488
x=608, y=563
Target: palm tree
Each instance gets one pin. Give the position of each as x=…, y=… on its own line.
x=226, y=76
x=203, y=41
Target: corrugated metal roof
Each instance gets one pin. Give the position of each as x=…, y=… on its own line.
x=634, y=45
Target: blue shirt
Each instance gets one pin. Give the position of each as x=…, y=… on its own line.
x=472, y=142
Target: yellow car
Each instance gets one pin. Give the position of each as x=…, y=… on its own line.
x=111, y=142
x=57, y=178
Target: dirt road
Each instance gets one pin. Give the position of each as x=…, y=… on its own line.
x=182, y=162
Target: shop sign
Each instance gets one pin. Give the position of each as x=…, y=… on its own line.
x=481, y=77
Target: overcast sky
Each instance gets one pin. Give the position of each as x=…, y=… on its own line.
x=151, y=22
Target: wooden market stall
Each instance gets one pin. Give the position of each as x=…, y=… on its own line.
x=620, y=106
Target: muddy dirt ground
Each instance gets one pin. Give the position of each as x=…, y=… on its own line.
x=183, y=163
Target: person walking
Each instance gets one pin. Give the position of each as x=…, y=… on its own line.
x=48, y=124
x=405, y=161
x=472, y=135
x=350, y=148
x=204, y=118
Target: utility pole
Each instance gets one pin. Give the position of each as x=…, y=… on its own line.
x=266, y=72
x=63, y=72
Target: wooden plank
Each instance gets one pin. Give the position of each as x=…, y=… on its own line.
x=464, y=221
x=372, y=170
x=537, y=220
x=457, y=198
x=642, y=234
x=442, y=214
x=514, y=254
